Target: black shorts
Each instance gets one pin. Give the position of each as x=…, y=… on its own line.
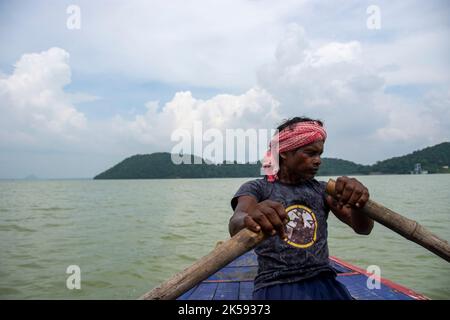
x=321, y=287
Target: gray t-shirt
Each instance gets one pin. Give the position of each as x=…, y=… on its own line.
x=306, y=253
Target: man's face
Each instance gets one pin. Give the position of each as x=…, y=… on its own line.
x=305, y=161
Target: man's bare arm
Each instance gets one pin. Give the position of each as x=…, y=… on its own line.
x=245, y=203
x=351, y=197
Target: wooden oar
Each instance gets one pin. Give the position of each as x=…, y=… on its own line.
x=246, y=240
x=222, y=255
x=407, y=228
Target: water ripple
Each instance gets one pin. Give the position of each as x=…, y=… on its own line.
x=5, y=291
x=31, y=265
x=52, y=209
x=173, y=236
x=15, y=227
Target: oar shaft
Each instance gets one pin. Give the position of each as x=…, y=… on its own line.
x=222, y=255
x=407, y=228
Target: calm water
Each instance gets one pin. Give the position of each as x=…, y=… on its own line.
x=127, y=236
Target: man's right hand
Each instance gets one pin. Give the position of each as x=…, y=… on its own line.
x=268, y=216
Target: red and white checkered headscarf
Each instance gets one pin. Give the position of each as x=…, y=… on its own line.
x=290, y=138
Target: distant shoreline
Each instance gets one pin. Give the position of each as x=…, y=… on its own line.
x=206, y=178
x=159, y=165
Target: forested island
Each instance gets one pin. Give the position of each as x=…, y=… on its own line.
x=435, y=159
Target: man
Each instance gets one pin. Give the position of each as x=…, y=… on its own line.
x=297, y=267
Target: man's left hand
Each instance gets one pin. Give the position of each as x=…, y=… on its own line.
x=350, y=191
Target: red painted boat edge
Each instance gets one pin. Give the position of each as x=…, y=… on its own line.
x=386, y=282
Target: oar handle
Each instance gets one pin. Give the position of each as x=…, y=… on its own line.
x=222, y=255
x=407, y=228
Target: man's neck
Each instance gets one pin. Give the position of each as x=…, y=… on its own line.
x=287, y=177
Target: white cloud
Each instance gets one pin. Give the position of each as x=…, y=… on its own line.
x=425, y=122
x=33, y=101
x=419, y=58
x=319, y=80
x=339, y=83
x=408, y=123
x=256, y=108
x=204, y=44
x=334, y=53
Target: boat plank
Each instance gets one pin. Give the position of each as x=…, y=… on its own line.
x=243, y=273
x=246, y=290
x=227, y=291
x=357, y=286
x=235, y=282
x=204, y=291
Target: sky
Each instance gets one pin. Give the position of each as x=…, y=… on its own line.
x=86, y=84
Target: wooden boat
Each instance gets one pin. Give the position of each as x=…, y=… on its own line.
x=235, y=282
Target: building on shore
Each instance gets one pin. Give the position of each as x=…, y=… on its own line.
x=418, y=169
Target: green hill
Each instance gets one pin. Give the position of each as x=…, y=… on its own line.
x=432, y=159
x=332, y=166
x=160, y=166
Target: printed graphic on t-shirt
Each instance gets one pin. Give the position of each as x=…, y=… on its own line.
x=302, y=226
